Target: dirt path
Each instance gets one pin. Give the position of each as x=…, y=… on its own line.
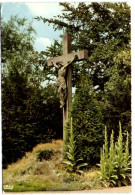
x=125, y=189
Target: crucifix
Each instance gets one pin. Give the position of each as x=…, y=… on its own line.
x=64, y=80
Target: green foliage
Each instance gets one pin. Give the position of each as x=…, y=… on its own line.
x=87, y=125
x=51, y=111
x=44, y=154
x=50, y=73
x=17, y=40
x=72, y=161
x=27, y=122
x=47, y=175
x=116, y=101
x=27, y=186
x=101, y=28
x=115, y=164
x=27, y=117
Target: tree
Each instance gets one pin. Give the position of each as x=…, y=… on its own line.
x=100, y=28
x=104, y=30
x=87, y=123
x=116, y=104
x=27, y=117
x=16, y=50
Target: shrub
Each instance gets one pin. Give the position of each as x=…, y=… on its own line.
x=115, y=164
x=44, y=154
x=87, y=123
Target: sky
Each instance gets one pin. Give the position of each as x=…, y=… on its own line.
x=45, y=34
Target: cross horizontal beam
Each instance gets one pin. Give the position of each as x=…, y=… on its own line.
x=68, y=57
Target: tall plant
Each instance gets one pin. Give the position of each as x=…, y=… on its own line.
x=115, y=164
x=74, y=164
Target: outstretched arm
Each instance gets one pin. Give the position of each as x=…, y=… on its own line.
x=75, y=58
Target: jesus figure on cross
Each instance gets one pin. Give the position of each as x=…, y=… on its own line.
x=61, y=80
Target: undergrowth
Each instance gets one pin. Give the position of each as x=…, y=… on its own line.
x=47, y=173
x=115, y=161
x=32, y=173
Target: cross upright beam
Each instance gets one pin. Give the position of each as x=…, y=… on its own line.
x=66, y=44
x=65, y=59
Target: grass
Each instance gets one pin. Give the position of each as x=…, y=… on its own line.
x=31, y=174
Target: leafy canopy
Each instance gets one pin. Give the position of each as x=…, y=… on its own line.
x=101, y=28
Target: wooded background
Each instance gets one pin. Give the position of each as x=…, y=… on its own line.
x=30, y=109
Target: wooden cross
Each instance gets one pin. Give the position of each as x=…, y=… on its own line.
x=65, y=59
